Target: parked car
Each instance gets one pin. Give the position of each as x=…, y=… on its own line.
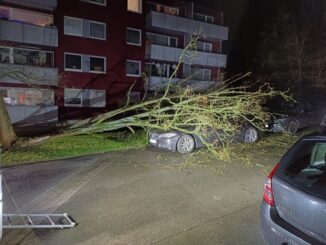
x=175, y=140
x=296, y=116
x=293, y=210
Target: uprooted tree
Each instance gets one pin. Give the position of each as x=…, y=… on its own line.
x=220, y=110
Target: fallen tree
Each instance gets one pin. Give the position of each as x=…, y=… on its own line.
x=220, y=109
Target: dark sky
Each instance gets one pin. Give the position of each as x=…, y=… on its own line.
x=246, y=20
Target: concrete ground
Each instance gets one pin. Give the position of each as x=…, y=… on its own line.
x=137, y=197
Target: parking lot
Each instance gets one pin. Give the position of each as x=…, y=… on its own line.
x=137, y=197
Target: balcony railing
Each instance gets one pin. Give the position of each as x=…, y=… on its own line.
x=39, y=4
x=179, y=24
x=160, y=83
x=29, y=75
x=27, y=33
x=164, y=53
x=21, y=114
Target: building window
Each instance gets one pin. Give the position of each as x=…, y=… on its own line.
x=135, y=6
x=26, y=16
x=162, y=40
x=204, y=18
x=73, y=26
x=27, y=96
x=201, y=74
x=134, y=36
x=205, y=47
x=73, y=62
x=160, y=70
x=84, y=97
x=94, y=98
x=73, y=97
x=133, y=68
x=99, y=2
x=97, y=30
x=97, y=64
x=4, y=55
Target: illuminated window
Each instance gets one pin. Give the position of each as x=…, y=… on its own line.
x=27, y=96
x=134, y=36
x=135, y=6
x=26, y=16
x=133, y=68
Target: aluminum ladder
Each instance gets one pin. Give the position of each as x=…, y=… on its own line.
x=37, y=221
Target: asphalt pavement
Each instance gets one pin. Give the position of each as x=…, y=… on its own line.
x=137, y=197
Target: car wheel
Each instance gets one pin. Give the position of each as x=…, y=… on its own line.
x=250, y=135
x=293, y=127
x=186, y=144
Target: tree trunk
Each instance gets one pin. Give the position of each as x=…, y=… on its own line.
x=7, y=133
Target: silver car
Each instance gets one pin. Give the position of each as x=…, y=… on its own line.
x=294, y=206
x=175, y=140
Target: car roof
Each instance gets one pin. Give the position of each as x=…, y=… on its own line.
x=315, y=136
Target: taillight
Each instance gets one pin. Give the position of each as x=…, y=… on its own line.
x=268, y=190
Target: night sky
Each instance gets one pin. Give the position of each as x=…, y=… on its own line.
x=246, y=19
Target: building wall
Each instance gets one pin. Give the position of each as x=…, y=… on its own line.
x=114, y=48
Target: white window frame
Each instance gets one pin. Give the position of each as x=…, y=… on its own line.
x=73, y=34
x=169, y=38
x=141, y=8
x=81, y=97
x=133, y=75
x=204, y=47
x=81, y=62
x=91, y=98
x=209, y=72
x=140, y=36
x=96, y=22
x=101, y=4
x=98, y=72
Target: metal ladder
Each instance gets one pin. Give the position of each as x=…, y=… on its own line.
x=37, y=221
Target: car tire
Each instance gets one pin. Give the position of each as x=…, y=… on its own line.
x=250, y=135
x=185, y=144
x=293, y=127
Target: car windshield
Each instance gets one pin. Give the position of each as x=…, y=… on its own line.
x=306, y=168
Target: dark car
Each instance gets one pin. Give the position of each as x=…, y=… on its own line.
x=294, y=206
x=296, y=116
x=182, y=142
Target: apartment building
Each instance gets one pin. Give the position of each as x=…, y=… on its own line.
x=170, y=25
x=28, y=39
x=78, y=58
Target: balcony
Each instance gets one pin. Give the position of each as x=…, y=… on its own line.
x=29, y=74
x=29, y=34
x=38, y=4
x=160, y=83
x=158, y=52
x=161, y=21
x=21, y=114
